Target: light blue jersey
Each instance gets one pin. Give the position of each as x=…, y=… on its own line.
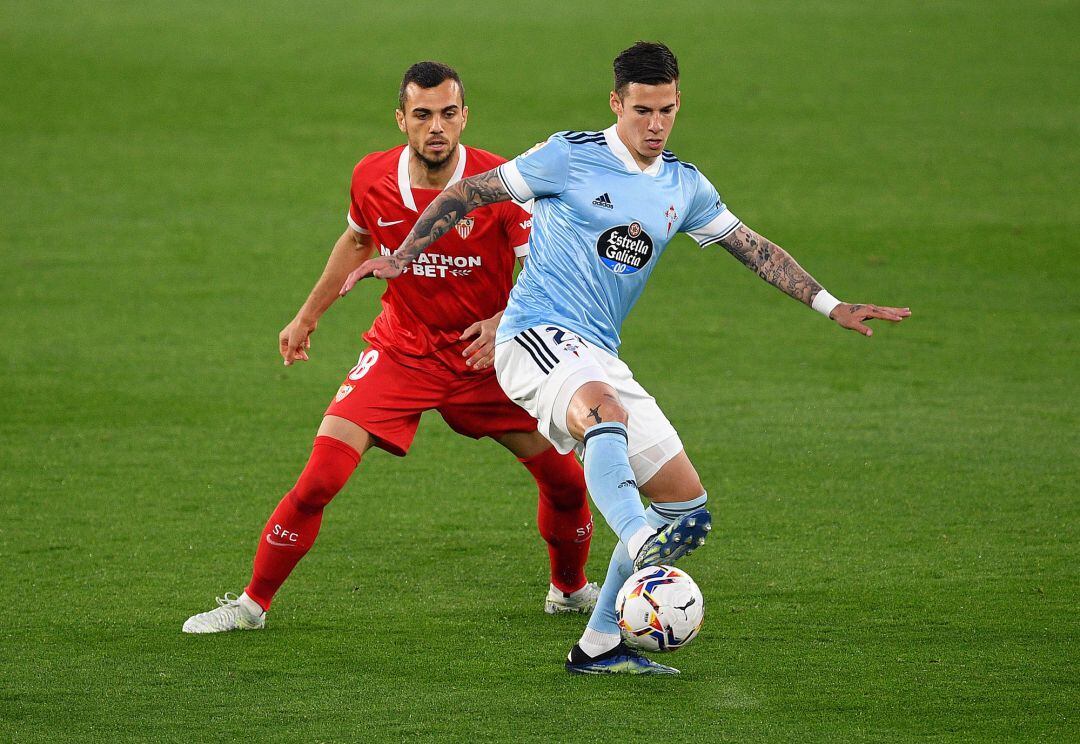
x=599, y=225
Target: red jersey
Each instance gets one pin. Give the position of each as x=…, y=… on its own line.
x=463, y=277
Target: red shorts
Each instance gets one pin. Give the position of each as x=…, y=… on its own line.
x=386, y=399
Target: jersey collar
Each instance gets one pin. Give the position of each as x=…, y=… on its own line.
x=622, y=153
x=403, y=175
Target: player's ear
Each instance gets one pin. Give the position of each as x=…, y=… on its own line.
x=400, y=116
x=616, y=104
x=464, y=116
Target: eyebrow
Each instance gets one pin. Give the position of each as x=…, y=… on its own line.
x=424, y=110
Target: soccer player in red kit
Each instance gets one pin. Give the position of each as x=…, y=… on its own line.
x=431, y=348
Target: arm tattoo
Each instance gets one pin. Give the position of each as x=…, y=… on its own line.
x=594, y=414
x=772, y=263
x=445, y=211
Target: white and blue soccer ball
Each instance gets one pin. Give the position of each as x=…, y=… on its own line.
x=659, y=609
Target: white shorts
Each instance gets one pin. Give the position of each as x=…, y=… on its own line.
x=540, y=369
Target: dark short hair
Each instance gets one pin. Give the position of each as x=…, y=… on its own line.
x=428, y=75
x=647, y=62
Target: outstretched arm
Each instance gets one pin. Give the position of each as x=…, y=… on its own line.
x=435, y=221
x=349, y=250
x=772, y=263
x=776, y=266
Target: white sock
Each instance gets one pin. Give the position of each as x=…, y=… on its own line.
x=594, y=643
x=574, y=593
x=250, y=606
x=633, y=547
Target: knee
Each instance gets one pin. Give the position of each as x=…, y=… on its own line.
x=599, y=408
x=566, y=490
x=315, y=490
x=610, y=408
x=560, y=480
x=564, y=494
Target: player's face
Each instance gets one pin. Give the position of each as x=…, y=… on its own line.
x=433, y=119
x=646, y=114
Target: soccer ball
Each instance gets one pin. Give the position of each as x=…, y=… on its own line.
x=659, y=609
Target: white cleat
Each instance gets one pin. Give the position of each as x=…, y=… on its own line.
x=232, y=613
x=583, y=600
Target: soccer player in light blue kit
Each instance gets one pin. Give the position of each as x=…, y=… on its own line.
x=606, y=205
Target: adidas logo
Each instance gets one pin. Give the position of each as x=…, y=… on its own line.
x=603, y=201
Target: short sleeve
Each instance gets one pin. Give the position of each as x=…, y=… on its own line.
x=518, y=223
x=708, y=220
x=353, y=215
x=353, y=222
x=540, y=172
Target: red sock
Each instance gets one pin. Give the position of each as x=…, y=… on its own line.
x=563, y=516
x=293, y=526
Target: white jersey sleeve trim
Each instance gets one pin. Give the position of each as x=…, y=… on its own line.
x=356, y=227
x=521, y=250
x=514, y=183
x=721, y=226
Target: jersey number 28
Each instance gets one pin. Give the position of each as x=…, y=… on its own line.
x=364, y=364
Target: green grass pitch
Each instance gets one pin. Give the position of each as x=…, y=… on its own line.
x=895, y=554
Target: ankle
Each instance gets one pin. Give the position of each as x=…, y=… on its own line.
x=250, y=606
x=594, y=643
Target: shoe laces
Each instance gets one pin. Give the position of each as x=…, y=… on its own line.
x=229, y=600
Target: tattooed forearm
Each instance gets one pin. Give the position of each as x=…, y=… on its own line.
x=772, y=263
x=445, y=211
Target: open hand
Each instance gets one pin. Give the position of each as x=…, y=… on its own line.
x=852, y=316
x=480, y=354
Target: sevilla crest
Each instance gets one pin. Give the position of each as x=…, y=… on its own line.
x=464, y=226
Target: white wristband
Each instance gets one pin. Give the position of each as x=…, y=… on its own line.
x=825, y=303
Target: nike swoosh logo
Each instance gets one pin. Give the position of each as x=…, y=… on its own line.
x=280, y=544
x=387, y=224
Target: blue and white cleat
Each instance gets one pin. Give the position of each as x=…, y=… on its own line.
x=620, y=660
x=679, y=538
